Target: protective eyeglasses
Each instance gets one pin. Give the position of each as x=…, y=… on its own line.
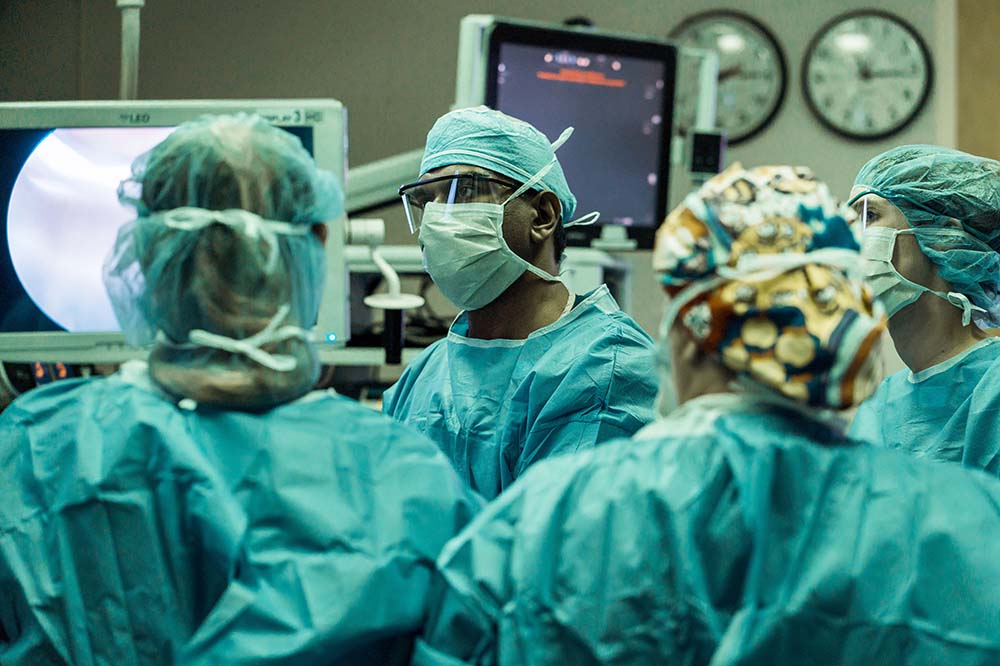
x=454, y=189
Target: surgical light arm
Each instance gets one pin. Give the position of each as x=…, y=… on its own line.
x=376, y=184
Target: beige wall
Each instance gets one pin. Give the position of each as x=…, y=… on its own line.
x=393, y=65
x=40, y=49
x=979, y=77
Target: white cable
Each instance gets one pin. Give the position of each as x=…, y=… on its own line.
x=129, y=83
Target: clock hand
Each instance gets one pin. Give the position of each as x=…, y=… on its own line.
x=889, y=73
x=864, y=69
x=729, y=72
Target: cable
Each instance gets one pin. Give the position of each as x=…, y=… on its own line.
x=129, y=83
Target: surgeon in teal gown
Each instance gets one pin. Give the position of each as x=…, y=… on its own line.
x=529, y=370
x=206, y=506
x=743, y=527
x=939, y=278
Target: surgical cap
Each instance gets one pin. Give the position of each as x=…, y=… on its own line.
x=482, y=137
x=222, y=245
x=931, y=186
x=779, y=296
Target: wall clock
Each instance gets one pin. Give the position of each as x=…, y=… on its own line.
x=867, y=75
x=752, y=72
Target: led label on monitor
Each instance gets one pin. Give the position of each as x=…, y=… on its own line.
x=283, y=116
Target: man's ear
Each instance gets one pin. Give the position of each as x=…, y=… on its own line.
x=685, y=347
x=682, y=343
x=547, y=212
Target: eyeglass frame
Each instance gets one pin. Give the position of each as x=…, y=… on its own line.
x=470, y=174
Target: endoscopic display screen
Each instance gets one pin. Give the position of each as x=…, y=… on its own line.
x=59, y=217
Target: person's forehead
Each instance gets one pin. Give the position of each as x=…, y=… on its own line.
x=871, y=199
x=857, y=189
x=455, y=169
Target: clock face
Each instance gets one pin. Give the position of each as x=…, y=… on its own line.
x=751, y=71
x=867, y=75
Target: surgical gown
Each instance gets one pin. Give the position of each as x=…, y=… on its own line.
x=732, y=533
x=135, y=531
x=497, y=406
x=948, y=412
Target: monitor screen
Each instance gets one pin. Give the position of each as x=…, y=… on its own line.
x=59, y=217
x=617, y=94
x=60, y=167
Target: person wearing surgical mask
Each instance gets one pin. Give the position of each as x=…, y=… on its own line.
x=528, y=370
x=744, y=527
x=931, y=220
x=206, y=506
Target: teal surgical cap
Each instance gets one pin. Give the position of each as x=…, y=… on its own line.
x=238, y=161
x=482, y=137
x=222, y=248
x=931, y=186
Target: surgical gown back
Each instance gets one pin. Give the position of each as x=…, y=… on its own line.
x=948, y=412
x=497, y=406
x=734, y=532
x=134, y=531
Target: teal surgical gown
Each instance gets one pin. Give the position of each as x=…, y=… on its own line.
x=948, y=412
x=735, y=532
x=136, y=531
x=497, y=406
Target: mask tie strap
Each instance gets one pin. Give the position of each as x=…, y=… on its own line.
x=962, y=302
x=251, y=346
x=583, y=220
x=251, y=225
x=566, y=134
x=528, y=184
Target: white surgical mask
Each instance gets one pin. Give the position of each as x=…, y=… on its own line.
x=889, y=286
x=465, y=252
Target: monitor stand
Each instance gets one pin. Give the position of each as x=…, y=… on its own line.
x=614, y=238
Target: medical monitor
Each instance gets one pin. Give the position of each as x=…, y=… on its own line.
x=617, y=91
x=60, y=165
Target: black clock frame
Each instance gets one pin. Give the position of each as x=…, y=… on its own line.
x=804, y=78
x=764, y=30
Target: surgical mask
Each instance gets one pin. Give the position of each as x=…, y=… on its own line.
x=465, y=252
x=895, y=291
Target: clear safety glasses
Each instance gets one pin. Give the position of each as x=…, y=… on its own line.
x=862, y=205
x=458, y=188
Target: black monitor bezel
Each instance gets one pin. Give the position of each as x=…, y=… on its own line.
x=584, y=40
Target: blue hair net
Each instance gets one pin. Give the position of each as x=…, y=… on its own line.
x=483, y=137
x=931, y=186
x=220, y=266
